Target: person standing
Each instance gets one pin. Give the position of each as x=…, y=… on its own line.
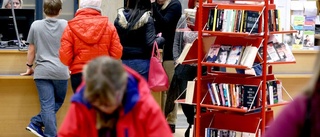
x=17, y=4
x=50, y=75
x=87, y=36
x=166, y=14
x=137, y=34
x=113, y=101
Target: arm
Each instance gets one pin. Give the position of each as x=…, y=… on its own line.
x=30, y=60
x=66, y=50
x=31, y=51
x=151, y=34
x=178, y=39
x=115, y=48
x=290, y=120
x=174, y=12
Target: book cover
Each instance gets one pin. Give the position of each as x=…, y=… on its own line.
x=251, y=19
x=216, y=93
x=248, y=57
x=234, y=55
x=213, y=53
x=285, y=52
x=211, y=93
x=308, y=38
x=275, y=92
x=272, y=52
x=223, y=54
x=260, y=52
x=297, y=21
x=279, y=90
x=249, y=96
x=190, y=92
x=298, y=38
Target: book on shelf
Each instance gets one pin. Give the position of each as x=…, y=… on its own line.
x=190, y=92
x=213, y=53
x=249, y=96
x=277, y=52
x=223, y=54
x=214, y=132
x=228, y=20
x=248, y=56
x=274, y=92
x=234, y=55
x=308, y=38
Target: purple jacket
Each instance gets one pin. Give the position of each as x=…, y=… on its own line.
x=290, y=121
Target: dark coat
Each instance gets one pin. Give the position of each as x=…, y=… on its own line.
x=137, y=43
x=166, y=18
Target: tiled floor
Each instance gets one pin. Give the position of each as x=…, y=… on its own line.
x=179, y=133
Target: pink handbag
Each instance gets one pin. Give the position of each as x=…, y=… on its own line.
x=157, y=79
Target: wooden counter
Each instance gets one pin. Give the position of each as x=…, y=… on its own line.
x=18, y=96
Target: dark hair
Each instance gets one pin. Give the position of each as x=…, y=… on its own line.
x=52, y=7
x=138, y=8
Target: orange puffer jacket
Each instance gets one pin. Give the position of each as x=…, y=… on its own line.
x=88, y=36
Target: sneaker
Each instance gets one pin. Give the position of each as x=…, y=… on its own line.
x=35, y=129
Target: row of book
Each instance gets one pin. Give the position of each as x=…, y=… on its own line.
x=243, y=96
x=233, y=55
x=277, y=52
x=228, y=20
x=274, y=92
x=213, y=132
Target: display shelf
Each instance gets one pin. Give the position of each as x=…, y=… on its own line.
x=241, y=110
x=259, y=8
x=262, y=115
x=283, y=32
x=224, y=65
x=278, y=104
x=232, y=34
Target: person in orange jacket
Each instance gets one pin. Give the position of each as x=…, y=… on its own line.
x=113, y=101
x=87, y=36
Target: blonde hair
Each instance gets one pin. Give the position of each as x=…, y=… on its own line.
x=5, y=3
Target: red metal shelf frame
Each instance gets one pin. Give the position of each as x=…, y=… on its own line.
x=200, y=19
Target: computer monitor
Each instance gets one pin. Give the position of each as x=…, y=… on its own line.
x=24, y=18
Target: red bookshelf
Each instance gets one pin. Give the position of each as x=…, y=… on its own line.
x=229, y=117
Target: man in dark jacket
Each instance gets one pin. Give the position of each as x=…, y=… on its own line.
x=166, y=14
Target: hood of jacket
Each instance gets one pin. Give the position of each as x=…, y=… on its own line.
x=124, y=15
x=88, y=25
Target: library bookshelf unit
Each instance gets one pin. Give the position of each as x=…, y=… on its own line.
x=252, y=119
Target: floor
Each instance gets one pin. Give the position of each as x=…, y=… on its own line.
x=181, y=124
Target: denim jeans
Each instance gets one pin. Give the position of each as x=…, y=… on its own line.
x=139, y=65
x=76, y=80
x=51, y=95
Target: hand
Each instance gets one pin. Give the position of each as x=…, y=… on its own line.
x=28, y=72
x=159, y=34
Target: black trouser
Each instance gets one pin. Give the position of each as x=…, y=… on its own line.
x=76, y=80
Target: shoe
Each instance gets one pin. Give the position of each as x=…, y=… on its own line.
x=35, y=129
x=172, y=127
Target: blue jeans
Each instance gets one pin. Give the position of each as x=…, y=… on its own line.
x=139, y=65
x=51, y=95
